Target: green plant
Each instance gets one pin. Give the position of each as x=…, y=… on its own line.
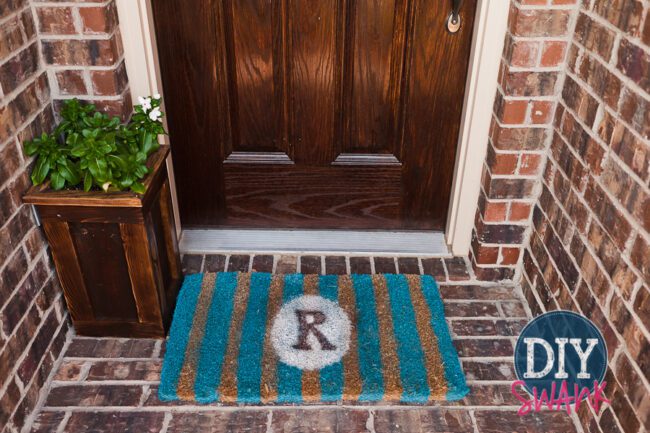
x=90, y=149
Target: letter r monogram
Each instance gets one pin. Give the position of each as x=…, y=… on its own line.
x=306, y=326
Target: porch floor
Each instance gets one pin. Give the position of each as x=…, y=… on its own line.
x=110, y=385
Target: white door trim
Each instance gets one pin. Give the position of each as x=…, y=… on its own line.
x=136, y=25
x=490, y=27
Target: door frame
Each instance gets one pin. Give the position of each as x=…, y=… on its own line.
x=490, y=25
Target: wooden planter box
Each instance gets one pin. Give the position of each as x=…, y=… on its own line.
x=116, y=254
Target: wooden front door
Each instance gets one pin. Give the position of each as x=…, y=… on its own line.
x=313, y=113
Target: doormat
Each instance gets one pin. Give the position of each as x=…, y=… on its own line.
x=259, y=338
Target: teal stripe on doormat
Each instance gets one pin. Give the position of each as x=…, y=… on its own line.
x=331, y=376
x=249, y=373
x=289, y=377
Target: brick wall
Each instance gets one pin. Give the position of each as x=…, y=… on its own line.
x=33, y=323
x=83, y=53
x=530, y=80
x=589, y=245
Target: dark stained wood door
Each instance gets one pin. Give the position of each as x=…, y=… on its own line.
x=313, y=113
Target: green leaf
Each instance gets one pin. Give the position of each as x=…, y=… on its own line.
x=88, y=181
x=69, y=174
x=31, y=147
x=57, y=181
x=147, y=143
x=41, y=170
x=138, y=187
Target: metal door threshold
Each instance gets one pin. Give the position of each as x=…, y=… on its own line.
x=349, y=242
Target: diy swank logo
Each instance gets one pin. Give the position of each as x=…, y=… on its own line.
x=560, y=360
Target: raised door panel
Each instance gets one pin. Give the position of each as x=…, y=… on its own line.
x=374, y=56
x=254, y=56
x=312, y=31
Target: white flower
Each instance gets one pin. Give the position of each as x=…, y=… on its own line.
x=145, y=103
x=105, y=186
x=155, y=114
x=156, y=96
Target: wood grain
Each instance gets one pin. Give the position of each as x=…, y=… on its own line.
x=436, y=82
x=312, y=197
x=143, y=279
x=281, y=111
x=369, y=110
x=68, y=269
x=105, y=282
x=190, y=48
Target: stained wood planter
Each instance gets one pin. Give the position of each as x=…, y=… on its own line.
x=116, y=254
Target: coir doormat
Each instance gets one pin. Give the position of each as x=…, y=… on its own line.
x=258, y=338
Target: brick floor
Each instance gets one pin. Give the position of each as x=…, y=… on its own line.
x=110, y=385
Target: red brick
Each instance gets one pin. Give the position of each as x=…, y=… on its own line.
x=564, y=2
x=553, y=53
x=634, y=62
x=510, y=256
x=501, y=163
x=111, y=82
x=523, y=138
x=530, y=164
x=541, y=112
x=513, y=112
x=361, y=265
x=456, y=269
x=239, y=263
x=286, y=264
x=99, y=19
x=529, y=83
x=19, y=69
x=261, y=263
x=631, y=150
x=71, y=82
x=523, y=53
x=594, y=37
x=434, y=267
x=602, y=82
x=311, y=265
x=484, y=255
x=499, y=188
x=221, y=422
x=125, y=370
x=89, y=52
x=11, y=37
x=408, y=265
x=55, y=20
x=635, y=110
x=641, y=256
x=539, y=22
x=121, y=108
x=624, y=14
x=144, y=422
x=645, y=37
x=519, y=211
x=11, y=7
x=495, y=211
x=580, y=101
x=110, y=348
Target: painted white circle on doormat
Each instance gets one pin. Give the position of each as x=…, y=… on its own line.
x=324, y=333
